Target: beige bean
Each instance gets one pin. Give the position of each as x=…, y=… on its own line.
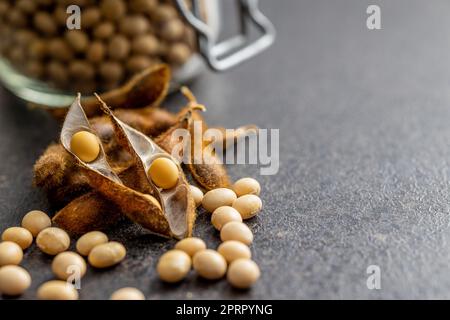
x=107, y=254
x=164, y=12
x=35, y=221
x=104, y=30
x=60, y=50
x=90, y=17
x=210, y=264
x=96, y=52
x=43, y=21
x=81, y=70
x=77, y=39
x=53, y=240
x=113, y=9
x=223, y=215
x=57, y=290
x=143, y=6
x=232, y=250
x=89, y=240
x=179, y=53
x=68, y=263
x=138, y=63
x=191, y=245
x=14, y=280
x=173, y=266
x=217, y=198
x=127, y=294
x=37, y=49
x=27, y=6
x=134, y=25
x=145, y=44
x=248, y=205
x=246, y=186
x=172, y=30
x=57, y=72
x=197, y=194
x=19, y=235
x=164, y=173
x=243, y=273
x=118, y=47
x=10, y=253
x=85, y=145
x=238, y=231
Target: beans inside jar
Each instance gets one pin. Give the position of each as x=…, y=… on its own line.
x=115, y=37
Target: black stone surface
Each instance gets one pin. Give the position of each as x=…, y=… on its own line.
x=364, y=119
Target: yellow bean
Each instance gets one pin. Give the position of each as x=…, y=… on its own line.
x=89, y=240
x=10, y=253
x=107, y=254
x=19, y=235
x=191, y=245
x=223, y=215
x=173, y=266
x=57, y=290
x=53, y=240
x=14, y=280
x=243, y=273
x=35, y=221
x=164, y=173
x=210, y=264
x=238, y=231
x=232, y=250
x=85, y=146
x=248, y=205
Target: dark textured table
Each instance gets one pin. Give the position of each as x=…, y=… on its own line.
x=364, y=119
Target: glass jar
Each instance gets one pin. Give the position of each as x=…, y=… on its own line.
x=51, y=49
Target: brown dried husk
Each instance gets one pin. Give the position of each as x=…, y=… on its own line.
x=146, y=89
x=133, y=203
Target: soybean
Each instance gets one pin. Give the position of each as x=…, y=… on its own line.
x=248, y=205
x=222, y=215
x=19, y=235
x=173, y=266
x=35, y=221
x=53, y=240
x=127, y=294
x=217, y=198
x=66, y=264
x=107, y=254
x=246, y=186
x=10, y=253
x=243, y=273
x=232, y=250
x=191, y=245
x=85, y=146
x=89, y=240
x=210, y=264
x=14, y=280
x=57, y=290
x=238, y=231
x=197, y=194
x=164, y=173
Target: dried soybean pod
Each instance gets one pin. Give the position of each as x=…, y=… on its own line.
x=177, y=202
x=178, y=213
x=88, y=212
x=147, y=88
x=209, y=172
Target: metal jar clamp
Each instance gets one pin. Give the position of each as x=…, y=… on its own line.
x=229, y=53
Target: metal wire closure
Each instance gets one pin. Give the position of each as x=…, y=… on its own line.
x=229, y=53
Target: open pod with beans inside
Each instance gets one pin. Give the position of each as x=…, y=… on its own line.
x=168, y=212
